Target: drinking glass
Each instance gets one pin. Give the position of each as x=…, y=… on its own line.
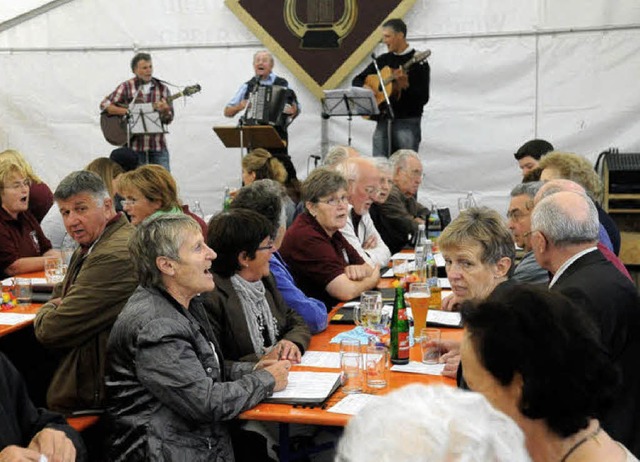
x=54, y=269
x=401, y=267
x=418, y=298
x=435, y=300
x=430, y=345
x=377, y=365
x=23, y=291
x=352, y=374
x=368, y=313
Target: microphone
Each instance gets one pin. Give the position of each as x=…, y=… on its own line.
x=253, y=83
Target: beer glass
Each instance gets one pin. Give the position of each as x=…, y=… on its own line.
x=369, y=312
x=418, y=298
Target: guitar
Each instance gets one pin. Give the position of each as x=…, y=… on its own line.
x=114, y=127
x=386, y=72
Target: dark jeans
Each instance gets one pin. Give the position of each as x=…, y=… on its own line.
x=154, y=157
x=405, y=134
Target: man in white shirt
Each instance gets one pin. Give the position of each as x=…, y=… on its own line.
x=363, y=178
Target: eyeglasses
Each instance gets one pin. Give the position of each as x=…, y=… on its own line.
x=335, y=201
x=372, y=190
x=414, y=173
x=127, y=202
x=269, y=246
x=516, y=215
x=19, y=184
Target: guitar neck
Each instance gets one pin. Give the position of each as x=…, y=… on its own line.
x=404, y=68
x=176, y=96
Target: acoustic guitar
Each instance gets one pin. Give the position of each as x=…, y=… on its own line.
x=386, y=72
x=114, y=127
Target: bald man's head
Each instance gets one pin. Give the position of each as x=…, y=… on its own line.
x=364, y=182
x=554, y=186
x=566, y=218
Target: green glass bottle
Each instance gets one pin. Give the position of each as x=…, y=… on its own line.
x=399, y=343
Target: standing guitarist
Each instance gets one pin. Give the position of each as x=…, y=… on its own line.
x=409, y=93
x=151, y=149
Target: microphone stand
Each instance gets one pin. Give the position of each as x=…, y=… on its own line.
x=386, y=98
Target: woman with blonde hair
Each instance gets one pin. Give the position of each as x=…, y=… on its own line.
x=40, y=195
x=569, y=166
x=109, y=171
x=259, y=164
x=150, y=190
x=24, y=245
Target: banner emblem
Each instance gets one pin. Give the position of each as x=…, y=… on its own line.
x=320, y=41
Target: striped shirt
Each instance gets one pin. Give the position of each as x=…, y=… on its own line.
x=123, y=96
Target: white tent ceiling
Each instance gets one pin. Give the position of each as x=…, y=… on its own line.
x=503, y=71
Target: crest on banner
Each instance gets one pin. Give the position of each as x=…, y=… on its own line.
x=320, y=41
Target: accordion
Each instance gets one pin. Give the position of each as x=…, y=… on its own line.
x=265, y=106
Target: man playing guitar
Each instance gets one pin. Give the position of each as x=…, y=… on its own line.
x=152, y=148
x=409, y=91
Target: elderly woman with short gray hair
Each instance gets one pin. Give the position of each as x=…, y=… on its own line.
x=323, y=263
x=170, y=389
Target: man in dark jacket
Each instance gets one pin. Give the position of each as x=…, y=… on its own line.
x=567, y=248
x=397, y=219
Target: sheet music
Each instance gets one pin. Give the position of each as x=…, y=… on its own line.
x=321, y=359
x=415, y=367
x=445, y=318
x=412, y=256
x=11, y=319
x=353, y=403
x=312, y=386
x=361, y=101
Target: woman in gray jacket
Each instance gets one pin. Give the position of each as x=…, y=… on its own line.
x=170, y=390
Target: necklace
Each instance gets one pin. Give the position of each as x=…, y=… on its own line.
x=571, y=450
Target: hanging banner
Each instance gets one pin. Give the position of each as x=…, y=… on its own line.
x=320, y=41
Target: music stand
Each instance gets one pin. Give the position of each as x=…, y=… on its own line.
x=349, y=102
x=145, y=120
x=249, y=136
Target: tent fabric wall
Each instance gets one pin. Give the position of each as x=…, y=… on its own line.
x=502, y=72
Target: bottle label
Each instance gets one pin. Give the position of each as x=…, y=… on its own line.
x=403, y=345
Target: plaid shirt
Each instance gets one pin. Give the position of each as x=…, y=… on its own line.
x=123, y=96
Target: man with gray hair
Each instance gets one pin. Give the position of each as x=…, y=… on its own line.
x=433, y=423
x=397, y=219
x=519, y=223
x=564, y=237
x=338, y=154
x=363, y=180
x=604, y=243
x=263, y=75
x=83, y=307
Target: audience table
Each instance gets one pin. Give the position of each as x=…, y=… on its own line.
x=33, y=308
x=287, y=413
